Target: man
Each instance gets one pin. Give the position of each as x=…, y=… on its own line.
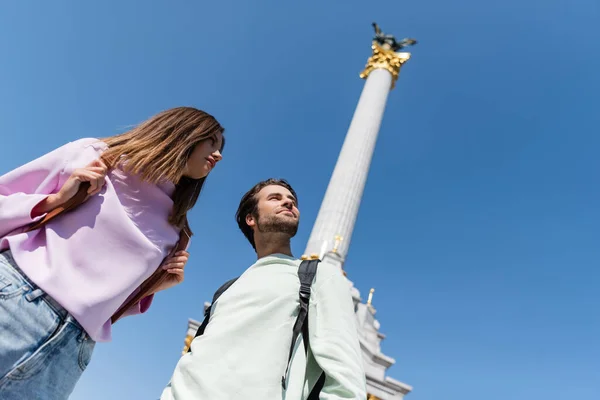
x=244, y=350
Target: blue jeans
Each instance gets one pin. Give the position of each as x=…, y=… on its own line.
x=43, y=350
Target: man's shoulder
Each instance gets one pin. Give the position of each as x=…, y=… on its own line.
x=328, y=270
x=276, y=259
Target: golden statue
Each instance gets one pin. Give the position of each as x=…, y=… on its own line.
x=386, y=40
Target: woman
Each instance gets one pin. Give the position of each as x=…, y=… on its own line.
x=60, y=284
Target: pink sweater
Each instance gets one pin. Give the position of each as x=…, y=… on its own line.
x=91, y=259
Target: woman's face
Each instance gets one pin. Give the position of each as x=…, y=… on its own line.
x=204, y=157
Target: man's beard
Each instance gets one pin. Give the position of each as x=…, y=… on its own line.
x=273, y=224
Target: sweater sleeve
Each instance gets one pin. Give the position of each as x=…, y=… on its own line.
x=333, y=335
x=23, y=188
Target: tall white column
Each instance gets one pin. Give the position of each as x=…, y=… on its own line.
x=333, y=228
x=342, y=199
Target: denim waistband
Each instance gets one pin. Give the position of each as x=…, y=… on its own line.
x=36, y=292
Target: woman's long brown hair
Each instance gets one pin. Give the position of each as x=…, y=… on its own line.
x=158, y=150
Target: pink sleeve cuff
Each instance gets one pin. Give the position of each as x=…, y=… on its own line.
x=16, y=213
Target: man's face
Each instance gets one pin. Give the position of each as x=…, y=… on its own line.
x=276, y=211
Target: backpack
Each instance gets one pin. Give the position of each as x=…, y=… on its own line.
x=306, y=273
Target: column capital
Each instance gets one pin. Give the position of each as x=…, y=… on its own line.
x=383, y=57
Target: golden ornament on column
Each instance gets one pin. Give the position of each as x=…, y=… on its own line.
x=187, y=342
x=370, y=299
x=338, y=241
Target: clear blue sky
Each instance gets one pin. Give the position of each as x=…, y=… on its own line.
x=480, y=222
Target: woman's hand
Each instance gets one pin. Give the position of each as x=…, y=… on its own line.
x=94, y=173
x=174, y=267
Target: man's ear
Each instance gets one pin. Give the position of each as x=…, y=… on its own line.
x=250, y=220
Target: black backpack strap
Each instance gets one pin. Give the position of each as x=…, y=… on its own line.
x=316, y=391
x=217, y=294
x=306, y=274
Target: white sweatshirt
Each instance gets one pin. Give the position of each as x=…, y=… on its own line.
x=244, y=350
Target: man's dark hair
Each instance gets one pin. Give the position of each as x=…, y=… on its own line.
x=249, y=203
